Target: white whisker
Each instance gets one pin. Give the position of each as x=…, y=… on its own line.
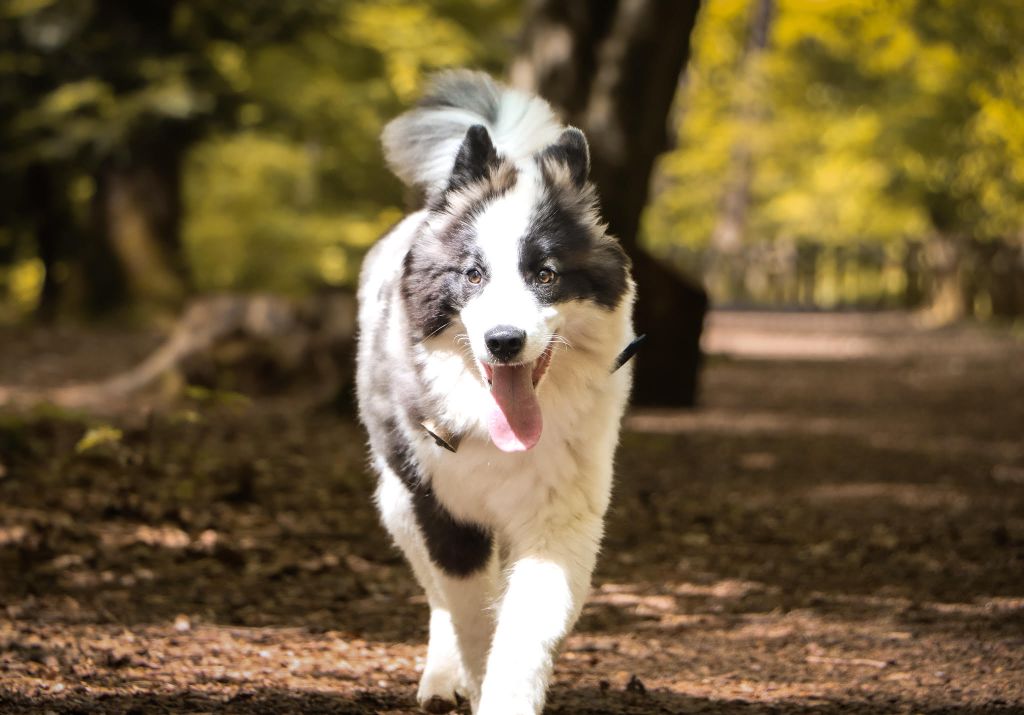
x=466, y=346
x=560, y=340
x=439, y=329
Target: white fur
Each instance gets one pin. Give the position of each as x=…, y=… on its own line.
x=506, y=299
x=421, y=145
x=545, y=506
x=494, y=635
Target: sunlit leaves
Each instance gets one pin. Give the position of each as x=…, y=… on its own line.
x=295, y=199
x=279, y=104
x=257, y=219
x=994, y=163
x=876, y=121
x=97, y=437
x=230, y=61
x=411, y=38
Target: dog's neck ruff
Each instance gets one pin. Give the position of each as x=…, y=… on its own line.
x=449, y=440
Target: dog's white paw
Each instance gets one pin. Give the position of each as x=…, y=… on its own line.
x=442, y=687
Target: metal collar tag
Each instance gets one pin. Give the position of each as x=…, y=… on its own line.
x=441, y=436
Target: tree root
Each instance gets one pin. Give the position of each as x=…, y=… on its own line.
x=313, y=336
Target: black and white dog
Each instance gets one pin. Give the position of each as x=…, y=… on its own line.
x=489, y=325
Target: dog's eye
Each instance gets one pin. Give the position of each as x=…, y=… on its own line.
x=474, y=276
x=546, y=276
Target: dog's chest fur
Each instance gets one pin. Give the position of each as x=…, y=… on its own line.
x=581, y=399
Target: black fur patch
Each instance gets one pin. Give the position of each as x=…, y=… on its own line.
x=458, y=548
x=476, y=156
x=469, y=91
x=589, y=267
x=434, y=285
x=572, y=151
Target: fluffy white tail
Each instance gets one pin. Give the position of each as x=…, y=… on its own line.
x=420, y=145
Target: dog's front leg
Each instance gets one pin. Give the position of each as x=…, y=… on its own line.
x=547, y=584
x=468, y=600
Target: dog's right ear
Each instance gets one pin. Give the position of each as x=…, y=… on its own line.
x=475, y=155
x=572, y=152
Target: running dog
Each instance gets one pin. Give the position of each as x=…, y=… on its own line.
x=489, y=326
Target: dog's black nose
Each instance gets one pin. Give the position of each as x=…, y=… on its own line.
x=505, y=342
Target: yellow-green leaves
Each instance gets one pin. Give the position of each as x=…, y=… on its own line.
x=868, y=114
x=97, y=436
x=412, y=39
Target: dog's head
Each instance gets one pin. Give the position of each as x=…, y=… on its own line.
x=512, y=259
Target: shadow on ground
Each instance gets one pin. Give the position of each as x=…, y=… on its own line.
x=823, y=536
x=586, y=701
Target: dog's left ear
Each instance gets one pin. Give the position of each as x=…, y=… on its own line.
x=475, y=155
x=572, y=151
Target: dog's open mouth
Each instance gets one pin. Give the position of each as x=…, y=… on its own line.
x=514, y=420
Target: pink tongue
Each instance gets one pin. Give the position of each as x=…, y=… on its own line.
x=514, y=421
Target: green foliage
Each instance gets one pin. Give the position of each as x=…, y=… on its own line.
x=84, y=76
x=866, y=123
x=297, y=197
x=280, y=101
x=869, y=121
x=97, y=437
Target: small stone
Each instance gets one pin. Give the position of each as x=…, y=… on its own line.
x=635, y=685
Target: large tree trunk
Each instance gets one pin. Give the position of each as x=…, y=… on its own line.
x=136, y=259
x=52, y=222
x=1007, y=279
x=612, y=68
x=948, y=299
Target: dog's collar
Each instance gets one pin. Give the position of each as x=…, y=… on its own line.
x=442, y=437
x=450, y=440
x=628, y=352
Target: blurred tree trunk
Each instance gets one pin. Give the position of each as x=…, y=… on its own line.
x=913, y=269
x=732, y=216
x=612, y=68
x=948, y=299
x=136, y=258
x=1007, y=278
x=52, y=222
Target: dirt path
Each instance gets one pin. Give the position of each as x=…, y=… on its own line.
x=840, y=529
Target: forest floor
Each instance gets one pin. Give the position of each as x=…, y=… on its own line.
x=838, y=529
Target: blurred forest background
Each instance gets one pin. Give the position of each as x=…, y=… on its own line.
x=188, y=187
x=826, y=154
